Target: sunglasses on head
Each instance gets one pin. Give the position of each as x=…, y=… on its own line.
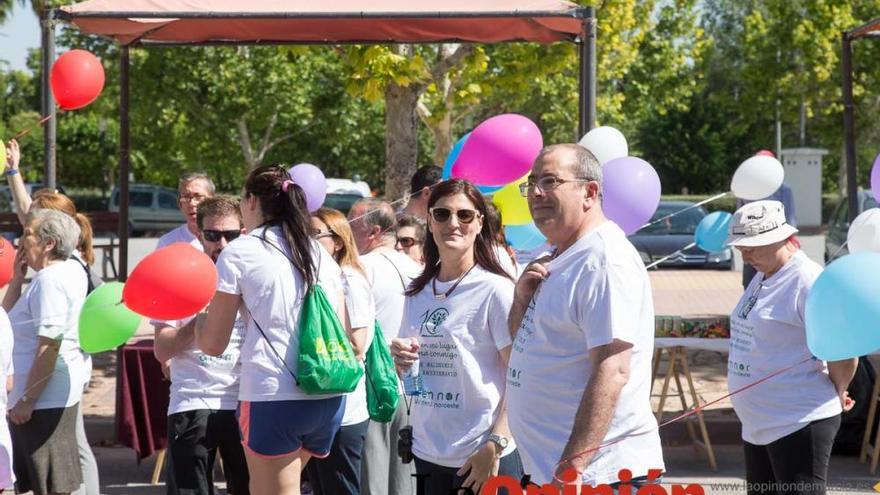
x=215, y=235
x=407, y=242
x=442, y=215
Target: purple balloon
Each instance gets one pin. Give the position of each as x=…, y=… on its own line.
x=631, y=190
x=875, y=179
x=312, y=181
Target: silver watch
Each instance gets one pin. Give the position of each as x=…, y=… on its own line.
x=498, y=440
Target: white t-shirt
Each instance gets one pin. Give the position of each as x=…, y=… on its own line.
x=773, y=336
x=201, y=381
x=273, y=292
x=50, y=308
x=462, y=372
x=180, y=234
x=7, y=477
x=385, y=268
x=361, y=313
x=597, y=291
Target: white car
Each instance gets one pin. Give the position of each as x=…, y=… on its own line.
x=342, y=193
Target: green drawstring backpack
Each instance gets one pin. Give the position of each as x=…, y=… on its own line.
x=382, y=388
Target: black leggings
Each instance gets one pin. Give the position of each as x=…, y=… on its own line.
x=794, y=464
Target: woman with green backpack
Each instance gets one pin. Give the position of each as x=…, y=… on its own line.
x=287, y=288
x=339, y=473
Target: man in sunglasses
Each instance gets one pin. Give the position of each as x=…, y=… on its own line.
x=192, y=189
x=389, y=272
x=588, y=305
x=204, y=389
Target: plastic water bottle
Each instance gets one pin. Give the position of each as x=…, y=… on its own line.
x=412, y=380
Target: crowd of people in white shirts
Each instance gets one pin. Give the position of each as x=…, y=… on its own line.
x=538, y=371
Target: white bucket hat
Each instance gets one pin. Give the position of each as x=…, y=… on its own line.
x=758, y=224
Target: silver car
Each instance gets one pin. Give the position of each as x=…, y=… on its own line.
x=151, y=208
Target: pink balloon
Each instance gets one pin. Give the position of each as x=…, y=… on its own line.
x=500, y=150
x=875, y=179
x=631, y=190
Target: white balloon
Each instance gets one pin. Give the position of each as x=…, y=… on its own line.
x=606, y=143
x=864, y=233
x=758, y=177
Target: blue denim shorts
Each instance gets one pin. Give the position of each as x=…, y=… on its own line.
x=280, y=428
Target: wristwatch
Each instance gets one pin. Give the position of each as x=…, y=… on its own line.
x=498, y=440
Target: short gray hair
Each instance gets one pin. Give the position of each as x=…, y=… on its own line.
x=583, y=164
x=191, y=176
x=53, y=225
x=379, y=214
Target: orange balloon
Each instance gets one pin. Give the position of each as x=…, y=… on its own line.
x=77, y=79
x=7, y=261
x=171, y=283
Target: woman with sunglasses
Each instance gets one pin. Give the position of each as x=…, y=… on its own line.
x=340, y=472
x=266, y=274
x=455, y=326
x=411, y=237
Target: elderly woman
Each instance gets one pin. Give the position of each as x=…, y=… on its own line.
x=47, y=361
x=788, y=422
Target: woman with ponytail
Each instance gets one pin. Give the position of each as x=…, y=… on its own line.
x=266, y=274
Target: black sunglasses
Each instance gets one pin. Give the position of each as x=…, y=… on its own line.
x=442, y=215
x=215, y=235
x=407, y=242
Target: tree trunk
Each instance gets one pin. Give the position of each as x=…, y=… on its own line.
x=442, y=139
x=401, y=138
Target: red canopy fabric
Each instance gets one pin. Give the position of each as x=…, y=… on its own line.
x=335, y=21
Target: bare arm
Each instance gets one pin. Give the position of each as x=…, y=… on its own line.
x=214, y=329
x=611, y=364
x=38, y=378
x=528, y=283
x=13, y=290
x=20, y=196
x=171, y=341
x=841, y=374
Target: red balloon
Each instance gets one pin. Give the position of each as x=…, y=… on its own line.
x=171, y=283
x=77, y=78
x=7, y=261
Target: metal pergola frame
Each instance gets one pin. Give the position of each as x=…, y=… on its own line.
x=868, y=30
x=586, y=42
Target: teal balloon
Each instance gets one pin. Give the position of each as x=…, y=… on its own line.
x=453, y=155
x=711, y=232
x=524, y=237
x=843, y=308
x=104, y=322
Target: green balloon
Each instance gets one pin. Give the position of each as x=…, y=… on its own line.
x=104, y=322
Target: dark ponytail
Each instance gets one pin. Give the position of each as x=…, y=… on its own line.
x=285, y=208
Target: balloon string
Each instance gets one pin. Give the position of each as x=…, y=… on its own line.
x=661, y=260
x=42, y=121
x=39, y=320
x=690, y=412
x=691, y=207
x=838, y=250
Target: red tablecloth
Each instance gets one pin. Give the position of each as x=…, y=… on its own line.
x=143, y=405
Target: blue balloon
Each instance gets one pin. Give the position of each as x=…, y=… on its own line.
x=489, y=190
x=711, y=232
x=843, y=308
x=453, y=155
x=524, y=237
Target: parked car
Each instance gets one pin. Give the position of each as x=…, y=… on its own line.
x=342, y=193
x=151, y=208
x=7, y=205
x=673, y=234
x=838, y=225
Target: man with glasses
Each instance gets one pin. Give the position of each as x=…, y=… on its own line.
x=204, y=389
x=583, y=327
x=389, y=272
x=192, y=189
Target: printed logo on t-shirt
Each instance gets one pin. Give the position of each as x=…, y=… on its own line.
x=513, y=377
x=431, y=321
x=441, y=399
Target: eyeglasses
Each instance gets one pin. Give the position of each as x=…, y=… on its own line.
x=215, y=235
x=189, y=198
x=317, y=234
x=442, y=215
x=407, y=242
x=545, y=184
